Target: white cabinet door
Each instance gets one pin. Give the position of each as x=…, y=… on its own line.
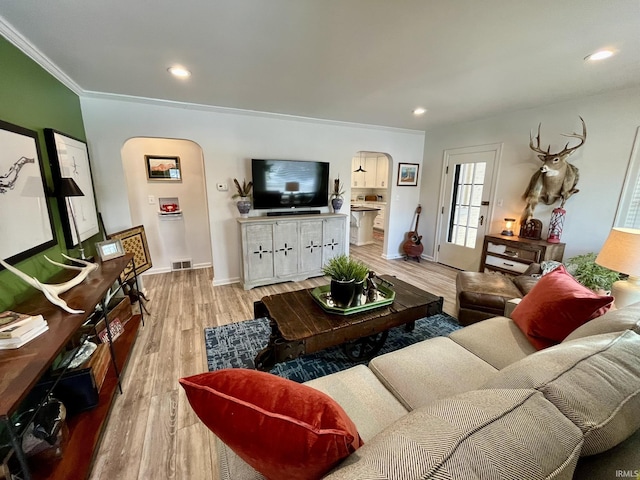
x=311, y=245
x=259, y=252
x=378, y=222
x=371, y=167
x=285, y=248
x=382, y=172
x=357, y=178
x=333, y=238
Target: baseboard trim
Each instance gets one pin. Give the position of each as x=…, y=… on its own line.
x=225, y=281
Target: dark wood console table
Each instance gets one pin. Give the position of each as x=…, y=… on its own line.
x=21, y=369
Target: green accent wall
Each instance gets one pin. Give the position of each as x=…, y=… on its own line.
x=32, y=98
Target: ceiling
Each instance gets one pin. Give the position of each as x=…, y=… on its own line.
x=363, y=61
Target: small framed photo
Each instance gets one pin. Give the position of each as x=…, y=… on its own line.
x=109, y=249
x=163, y=168
x=408, y=174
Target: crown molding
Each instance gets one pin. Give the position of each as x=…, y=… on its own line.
x=239, y=111
x=17, y=39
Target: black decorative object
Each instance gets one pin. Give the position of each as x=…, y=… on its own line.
x=67, y=188
x=531, y=229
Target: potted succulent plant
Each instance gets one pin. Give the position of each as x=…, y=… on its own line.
x=244, y=193
x=336, y=195
x=347, y=277
x=585, y=269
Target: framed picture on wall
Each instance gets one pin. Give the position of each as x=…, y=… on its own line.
x=25, y=214
x=70, y=159
x=408, y=174
x=163, y=168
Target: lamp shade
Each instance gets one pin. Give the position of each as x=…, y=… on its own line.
x=621, y=251
x=67, y=187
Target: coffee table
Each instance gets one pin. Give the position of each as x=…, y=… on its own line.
x=300, y=326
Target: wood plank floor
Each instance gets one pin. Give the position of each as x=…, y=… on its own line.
x=152, y=433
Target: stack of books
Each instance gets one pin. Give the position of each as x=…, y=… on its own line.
x=17, y=329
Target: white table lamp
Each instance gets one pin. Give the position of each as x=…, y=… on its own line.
x=621, y=253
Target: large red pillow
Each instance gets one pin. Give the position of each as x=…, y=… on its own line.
x=281, y=428
x=555, y=307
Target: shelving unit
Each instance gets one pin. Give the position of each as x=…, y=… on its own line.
x=21, y=369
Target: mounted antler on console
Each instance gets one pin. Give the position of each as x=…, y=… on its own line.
x=556, y=178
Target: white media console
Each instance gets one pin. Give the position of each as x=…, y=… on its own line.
x=289, y=248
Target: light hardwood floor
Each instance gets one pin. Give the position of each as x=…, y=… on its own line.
x=152, y=433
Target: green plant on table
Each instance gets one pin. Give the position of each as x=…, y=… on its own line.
x=243, y=190
x=585, y=269
x=345, y=268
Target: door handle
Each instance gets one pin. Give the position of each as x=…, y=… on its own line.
x=481, y=219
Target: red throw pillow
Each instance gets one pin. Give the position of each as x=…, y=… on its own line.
x=281, y=428
x=555, y=307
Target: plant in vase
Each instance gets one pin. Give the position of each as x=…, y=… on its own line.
x=347, y=279
x=244, y=193
x=585, y=269
x=336, y=195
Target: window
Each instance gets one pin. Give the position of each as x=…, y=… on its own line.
x=628, y=214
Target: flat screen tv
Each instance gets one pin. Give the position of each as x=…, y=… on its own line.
x=289, y=184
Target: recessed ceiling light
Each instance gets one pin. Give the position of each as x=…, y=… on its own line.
x=599, y=55
x=419, y=111
x=179, y=72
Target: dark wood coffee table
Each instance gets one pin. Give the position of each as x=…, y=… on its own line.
x=300, y=326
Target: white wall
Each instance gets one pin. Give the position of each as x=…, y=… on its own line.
x=228, y=142
x=169, y=237
x=611, y=119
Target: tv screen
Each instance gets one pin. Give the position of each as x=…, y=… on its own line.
x=289, y=184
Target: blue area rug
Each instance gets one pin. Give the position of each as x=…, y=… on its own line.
x=236, y=345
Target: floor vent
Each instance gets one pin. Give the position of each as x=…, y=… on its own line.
x=181, y=265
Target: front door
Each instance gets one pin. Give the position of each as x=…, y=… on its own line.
x=468, y=187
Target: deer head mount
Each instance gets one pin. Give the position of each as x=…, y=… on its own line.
x=557, y=178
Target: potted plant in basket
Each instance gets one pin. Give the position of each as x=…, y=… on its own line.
x=585, y=269
x=347, y=279
x=336, y=195
x=244, y=193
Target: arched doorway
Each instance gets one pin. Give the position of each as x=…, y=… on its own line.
x=176, y=241
x=370, y=187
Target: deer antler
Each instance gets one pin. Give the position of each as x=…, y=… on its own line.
x=537, y=148
x=566, y=151
x=582, y=138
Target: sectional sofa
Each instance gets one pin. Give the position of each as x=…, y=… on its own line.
x=483, y=403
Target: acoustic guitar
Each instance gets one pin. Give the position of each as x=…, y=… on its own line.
x=413, y=247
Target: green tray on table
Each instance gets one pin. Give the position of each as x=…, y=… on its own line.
x=322, y=295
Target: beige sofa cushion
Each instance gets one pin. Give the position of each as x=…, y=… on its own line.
x=358, y=391
x=365, y=400
x=627, y=318
x=500, y=434
x=498, y=341
x=594, y=382
x=430, y=370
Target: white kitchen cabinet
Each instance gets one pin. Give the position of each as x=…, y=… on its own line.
x=357, y=178
x=289, y=248
x=382, y=172
x=371, y=167
x=378, y=223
